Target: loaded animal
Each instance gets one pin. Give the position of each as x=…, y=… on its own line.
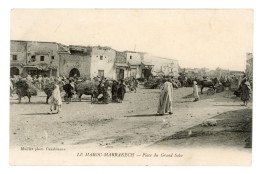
x=208, y=83
x=25, y=88
x=48, y=89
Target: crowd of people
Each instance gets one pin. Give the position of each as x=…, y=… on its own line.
x=118, y=90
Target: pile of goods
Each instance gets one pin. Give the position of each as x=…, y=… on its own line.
x=154, y=83
x=226, y=83
x=220, y=88
x=48, y=89
x=127, y=80
x=210, y=91
x=141, y=81
x=237, y=92
x=25, y=88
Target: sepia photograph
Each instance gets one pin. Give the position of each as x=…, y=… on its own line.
x=156, y=87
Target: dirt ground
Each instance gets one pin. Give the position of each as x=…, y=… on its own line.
x=133, y=123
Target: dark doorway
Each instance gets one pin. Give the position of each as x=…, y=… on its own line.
x=101, y=73
x=120, y=74
x=146, y=73
x=14, y=71
x=74, y=72
x=54, y=72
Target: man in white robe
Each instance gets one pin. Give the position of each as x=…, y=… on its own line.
x=195, y=91
x=166, y=99
x=56, y=100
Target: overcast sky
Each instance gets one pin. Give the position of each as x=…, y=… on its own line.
x=197, y=38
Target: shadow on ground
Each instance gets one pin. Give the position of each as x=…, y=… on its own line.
x=146, y=115
x=39, y=114
x=27, y=102
x=234, y=129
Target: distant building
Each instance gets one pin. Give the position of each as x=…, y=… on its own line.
x=163, y=66
x=55, y=59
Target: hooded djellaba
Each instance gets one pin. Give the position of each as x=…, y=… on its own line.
x=121, y=91
x=166, y=99
x=56, y=100
x=114, y=91
x=245, y=91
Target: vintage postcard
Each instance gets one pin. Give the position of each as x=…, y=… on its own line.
x=131, y=87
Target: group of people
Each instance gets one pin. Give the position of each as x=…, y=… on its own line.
x=39, y=80
x=166, y=95
x=118, y=91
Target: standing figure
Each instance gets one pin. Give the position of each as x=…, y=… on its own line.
x=102, y=93
x=40, y=80
x=56, y=101
x=114, y=91
x=195, y=91
x=134, y=84
x=121, y=91
x=245, y=91
x=11, y=88
x=29, y=78
x=100, y=90
x=105, y=93
x=68, y=88
x=165, y=100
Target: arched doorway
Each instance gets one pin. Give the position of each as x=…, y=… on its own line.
x=14, y=71
x=74, y=72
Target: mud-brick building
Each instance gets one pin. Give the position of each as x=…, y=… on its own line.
x=132, y=64
x=17, y=58
x=103, y=62
x=34, y=58
x=138, y=66
x=134, y=59
x=42, y=58
x=121, y=65
x=74, y=60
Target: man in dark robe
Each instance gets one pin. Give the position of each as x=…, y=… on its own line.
x=121, y=91
x=68, y=88
x=114, y=91
x=245, y=91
